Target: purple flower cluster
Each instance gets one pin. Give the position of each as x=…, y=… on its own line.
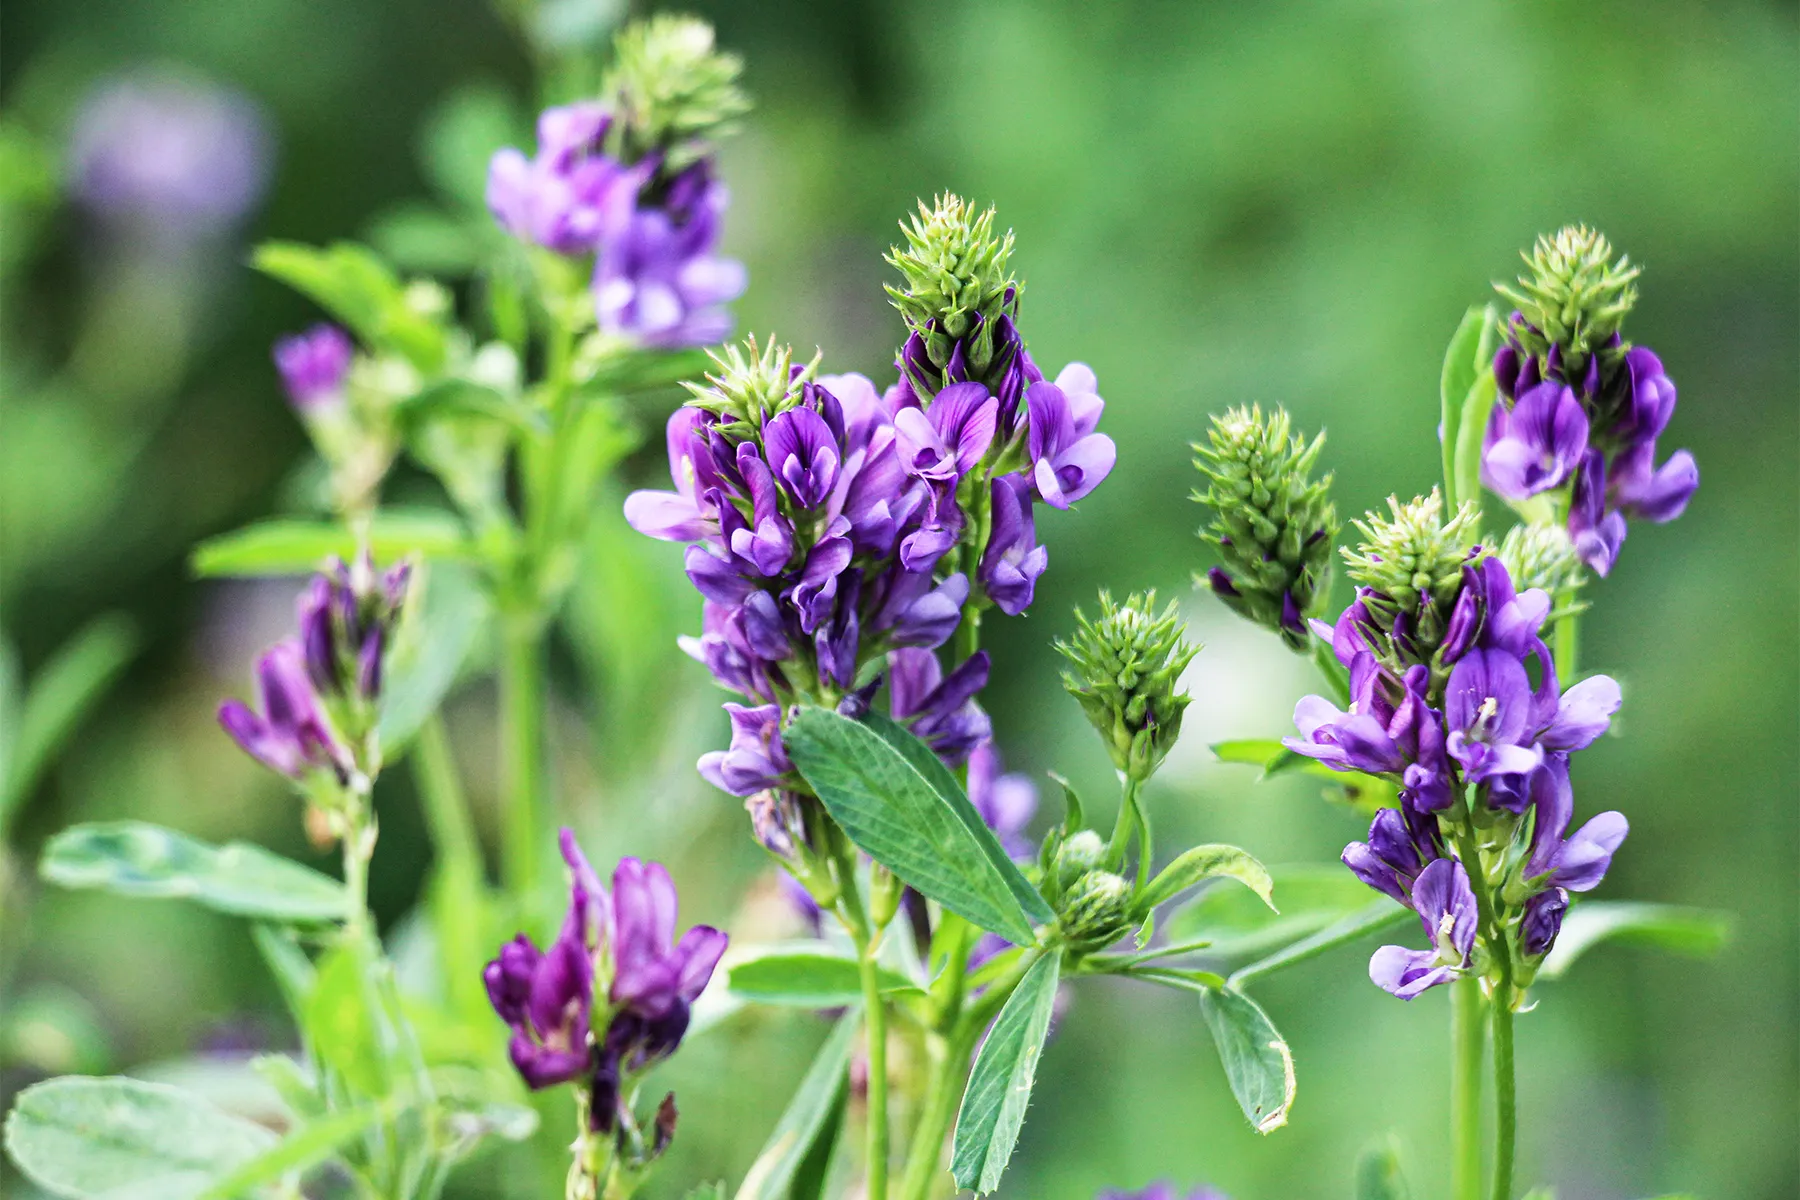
x=654, y=235
x=1593, y=435
x=1488, y=726
x=620, y=946
x=821, y=532
x=314, y=367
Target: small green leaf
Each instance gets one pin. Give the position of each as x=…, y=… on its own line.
x=1073, y=817
x=341, y=1022
x=1462, y=361
x=62, y=692
x=993, y=1106
x=1258, y=1064
x=1699, y=932
x=352, y=283
x=1473, y=432
x=1208, y=862
x=1251, y=752
x=286, y=546
x=431, y=647
x=292, y=970
x=1378, y=1173
x=815, y=980
x=913, y=819
x=1239, y=924
x=135, y=858
x=123, y=1139
x=817, y=1107
x=1379, y=913
x=312, y=1143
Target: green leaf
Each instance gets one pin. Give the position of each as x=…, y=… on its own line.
x=307, y=1146
x=993, y=1106
x=422, y=237
x=353, y=284
x=898, y=802
x=62, y=692
x=135, y=858
x=1251, y=752
x=810, y=980
x=285, y=546
x=817, y=1107
x=430, y=649
x=1258, y=1064
x=467, y=398
x=1208, y=862
x=1693, y=931
x=292, y=970
x=1378, y=1173
x=1239, y=924
x=1462, y=361
x=1469, y=438
x=340, y=1019
x=122, y=1139
x=1380, y=913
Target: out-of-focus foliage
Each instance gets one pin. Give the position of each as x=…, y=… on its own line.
x=1216, y=205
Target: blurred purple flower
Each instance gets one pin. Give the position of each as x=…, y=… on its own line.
x=314, y=366
x=292, y=734
x=658, y=278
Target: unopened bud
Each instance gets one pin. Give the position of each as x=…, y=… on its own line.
x=1125, y=668
x=1542, y=556
x=671, y=90
x=955, y=278
x=1096, y=909
x=1410, y=566
x=1574, y=295
x=1081, y=853
x=751, y=383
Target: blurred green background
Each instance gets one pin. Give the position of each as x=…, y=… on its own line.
x=1289, y=203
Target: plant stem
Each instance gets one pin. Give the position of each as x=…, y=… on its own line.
x=521, y=756
x=875, y=1023
x=1121, y=835
x=1568, y=630
x=1468, y=1015
x=1505, y=1099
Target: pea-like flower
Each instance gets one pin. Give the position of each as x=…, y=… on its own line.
x=756, y=759
x=292, y=734
x=1069, y=459
x=1536, y=445
x=1446, y=907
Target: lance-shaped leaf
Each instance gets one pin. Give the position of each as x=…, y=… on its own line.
x=1208, y=862
x=1377, y=914
x=135, y=858
x=1693, y=931
x=286, y=546
x=1472, y=435
x=898, y=802
x=312, y=1143
x=814, y=979
x=814, y=1115
x=1237, y=923
x=1258, y=1064
x=353, y=284
x=62, y=692
x=1469, y=353
x=993, y=1106
x=123, y=1139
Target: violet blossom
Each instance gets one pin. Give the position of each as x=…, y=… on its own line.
x=314, y=367
x=1069, y=459
x=1446, y=907
x=756, y=759
x=1535, y=445
x=292, y=733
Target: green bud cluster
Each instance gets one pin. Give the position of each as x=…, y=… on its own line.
x=1126, y=665
x=1575, y=295
x=1272, y=522
x=1541, y=556
x=954, y=270
x=1414, y=563
x=1096, y=909
x=671, y=90
x=1081, y=852
x=751, y=383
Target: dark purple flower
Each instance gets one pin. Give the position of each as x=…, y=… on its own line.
x=1534, y=446
x=919, y=611
x=1651, y=402
x=346, y=618
x=838, y=639
x=814, y=594
x=1543, y=921
x=767, y=542
x=657, y=277
x=687, y=513
x=653, y=975
x=291, y=734
x=1069, y=459
x=942, y=444
x=1400, y=845
x=1488, y=708
x=940, y=708
x=1446, y=907
x=1580, y=861
x=1013, y=560
x=1379, y=735
x=1596, y=530
x=1641, y=489
x=314, y=366
x=756, y=759
x=803, y=454
x=732, y=641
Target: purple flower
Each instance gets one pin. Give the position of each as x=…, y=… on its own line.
x=173, y=156
x=292, y=734
x=940, y=708
x=917, y=612
x=657, y=278
x=756, y=759
x=1488, y=706
x=1400, y=845
x=1596, y=530
x=1641, y=489
x=314, y=366
x=804, y=454
x=1446, y=907
x=1163, y=1191
x=653, y=975
x=767, y=542
x=1069, y=459
x=571, y=193
x=686, y=514
x=1379, y=735
x=1543, y=921
x=942, y=445
x=1652, y=398
x=1580, y=861
x=1536, y=445
x=1013, y=560
x=346, y=618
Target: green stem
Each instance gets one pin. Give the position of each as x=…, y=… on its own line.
x=522, y=703
x=1568, y=631
x=1127, y=820
x=1468, y=1014
x=875, y=1023
x=1505, y=1098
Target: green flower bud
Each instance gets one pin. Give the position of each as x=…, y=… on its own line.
x=1574, y=295
x=1542, y=556
x=1272, y=522
x=751, y=384
x=671, y=90
x=1081, y=853
x=954, y=270
x=1126, y=666
x=1413, y=562
x=1097, y=909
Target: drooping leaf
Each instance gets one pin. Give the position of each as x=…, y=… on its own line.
x=1693, y=931
x=810, y=980
x=62, y=692
x=1258, y=1064
x=1379, y=1175
x=288, y=546
x=817, y=1107
x=312, y=1143
x=914, y=820
x=1239, y=924
x=135, y=858
x=1208, y=862
x=353, y=284
x=122, y=1139
x=341, y=1020
x=1462, y=362
x=993, y=1106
